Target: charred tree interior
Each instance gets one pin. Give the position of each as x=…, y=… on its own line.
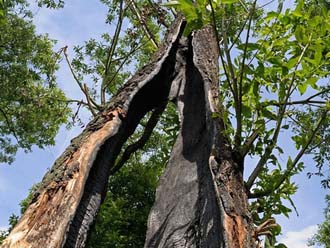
x=186, y=211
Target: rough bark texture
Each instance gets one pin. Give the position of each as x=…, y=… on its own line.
x=200, y=200
x=71, y=192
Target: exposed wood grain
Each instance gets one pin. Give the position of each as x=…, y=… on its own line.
x=70, y=194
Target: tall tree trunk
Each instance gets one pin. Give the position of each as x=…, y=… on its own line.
x=71, y=192
x=200, y=200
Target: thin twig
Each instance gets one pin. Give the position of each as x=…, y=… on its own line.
x=92, y=104
x=111, y=52
x=123, y=63
x=238, y=135
x=219, y=49
x=145, y=28
x=89, y=101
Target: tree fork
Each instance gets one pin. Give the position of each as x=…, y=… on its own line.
x=201, y=199
x=71, y=192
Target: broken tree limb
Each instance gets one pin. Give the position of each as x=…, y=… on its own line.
x=71, y=192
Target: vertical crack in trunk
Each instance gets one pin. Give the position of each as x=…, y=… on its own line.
x=186, y=211
x=200, y=200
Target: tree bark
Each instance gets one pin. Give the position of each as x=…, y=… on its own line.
x=200, y=201
x=71, y=192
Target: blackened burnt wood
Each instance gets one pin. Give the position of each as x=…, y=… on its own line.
x=200, y=200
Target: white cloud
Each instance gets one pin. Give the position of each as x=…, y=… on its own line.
x=3, y=228
x=298, y=239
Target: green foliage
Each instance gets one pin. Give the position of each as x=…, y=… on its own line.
x=319, y=148
x=322, y=237
x=105, y=63
x=32, y=107
x=53, y=4
x=13, y=219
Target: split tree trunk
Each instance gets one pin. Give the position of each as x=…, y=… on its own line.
x=200, y=201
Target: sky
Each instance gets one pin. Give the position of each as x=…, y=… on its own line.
x=77, y=22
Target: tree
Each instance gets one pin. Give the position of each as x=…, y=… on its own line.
x=271, y=66
x=322, y=235
x=32, y=107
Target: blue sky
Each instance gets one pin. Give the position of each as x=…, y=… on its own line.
x=77, y=22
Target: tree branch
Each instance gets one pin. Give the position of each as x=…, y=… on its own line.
x=91, y=103
x=306, y=101
x=238, y=134
x=152, y=122
x=219, y=50
x=249, y=142
x=122, y=64
x=145, y=28
x=302, y=151
x=273, y=142
x=111, y=52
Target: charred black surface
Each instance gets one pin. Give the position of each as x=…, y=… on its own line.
x=186, y=211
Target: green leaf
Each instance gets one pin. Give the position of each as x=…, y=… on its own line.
x=171, y=4
x=312, y=82
x=289, y=163
x=271, y=15
x=269, y=114
x=228, y=1
x=249, y=46
x=300, y=34
x=311, y=61
x=302, y=88
x=292, y=62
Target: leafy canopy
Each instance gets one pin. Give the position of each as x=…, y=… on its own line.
x=32, y=107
